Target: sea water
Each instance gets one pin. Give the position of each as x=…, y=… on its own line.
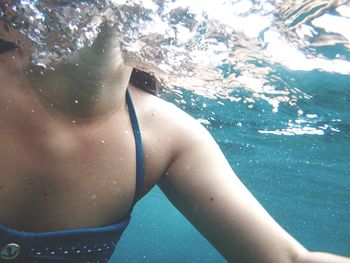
x=269, y=79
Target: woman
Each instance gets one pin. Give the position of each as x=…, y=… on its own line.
x=73, y=164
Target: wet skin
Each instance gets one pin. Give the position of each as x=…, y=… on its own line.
x=68, y=155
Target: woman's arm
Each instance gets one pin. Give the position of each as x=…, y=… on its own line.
x=202, y=185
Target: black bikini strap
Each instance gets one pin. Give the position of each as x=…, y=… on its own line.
x=139, y=149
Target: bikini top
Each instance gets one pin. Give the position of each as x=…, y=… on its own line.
x=88, y=245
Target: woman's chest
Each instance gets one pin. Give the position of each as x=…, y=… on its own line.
x=58, y=175
x=77, y=175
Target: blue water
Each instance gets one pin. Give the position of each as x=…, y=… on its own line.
x=302, y=180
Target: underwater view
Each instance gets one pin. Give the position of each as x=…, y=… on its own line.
x=270, y=80
x=281, y=115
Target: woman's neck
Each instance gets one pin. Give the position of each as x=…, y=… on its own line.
x=89, y=84
x=81, y=87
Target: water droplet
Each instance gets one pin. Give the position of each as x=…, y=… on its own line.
x=126, y=132
x=76, y=101
x=73, y=121
x=102, y=141
x=33, y=110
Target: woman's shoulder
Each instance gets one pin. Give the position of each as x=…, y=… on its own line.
x=156, y=113
x=163, y=127
x=167, y=130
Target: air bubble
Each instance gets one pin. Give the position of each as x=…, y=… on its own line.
x=41, y=66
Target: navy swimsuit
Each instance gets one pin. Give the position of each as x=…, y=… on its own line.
x=88, y=245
